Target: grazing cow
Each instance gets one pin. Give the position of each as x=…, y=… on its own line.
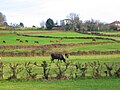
x=21, y=41
x=17, y=39
x=26, y=41
x=36, y=42
x=4, y=41
x=57, y=56
x=57, y=40
x=94, y=39
x=51, y=40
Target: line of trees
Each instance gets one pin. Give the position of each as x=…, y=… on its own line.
x=88, y=25
x=3, y=22
x=73, y=22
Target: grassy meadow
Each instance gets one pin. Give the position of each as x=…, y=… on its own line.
x=12, y=40
x=84, y=84
x=76, y=84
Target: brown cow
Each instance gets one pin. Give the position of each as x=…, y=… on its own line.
x=51, y=40
x=26, y=41
x=21, y=41
x=17, y=39
x=57, y=40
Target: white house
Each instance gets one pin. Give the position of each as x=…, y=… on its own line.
x=65, y=21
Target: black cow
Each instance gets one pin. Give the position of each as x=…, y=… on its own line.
x=57, y=56
x=4, y=41
x=36, y=42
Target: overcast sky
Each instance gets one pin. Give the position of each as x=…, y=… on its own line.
x=32, y=12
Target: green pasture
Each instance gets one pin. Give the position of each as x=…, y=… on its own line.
x=99, y=47
x=68, y=34
x=79, y=84
x=75, y=84
x=85, y=58
x=89, y=47
x=116, y=38
x=56, y=34
x=109, y=59
x=10, y=38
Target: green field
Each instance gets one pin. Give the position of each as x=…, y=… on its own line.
x=72, y=59
x=42, y=41
x=87, y=83
x=87, y=58
x=107, y=47
x=31, y=40
x=12, y=40
x=75, y=84
x=84, y=84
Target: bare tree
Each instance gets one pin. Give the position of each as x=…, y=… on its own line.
x=15, y=69
x=61, y=72
x=96, y=69
x=2, y=19
x=82, y=68
x=1, y=70
x=29, y=70
x=75, y=21
x=109, y=69
x=42, y=24
x=91, y=24
x=46, y=70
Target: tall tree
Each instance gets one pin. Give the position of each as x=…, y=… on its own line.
x=21, y=24
x=42, y=24
x=5, y=24
x=75, y=20
x=2, y=19
x=92, y=24
x=49, y=24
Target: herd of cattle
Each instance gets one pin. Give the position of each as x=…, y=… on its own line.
x=22, y=41
x=57, y=56
x=25, y=41
x=58, y=41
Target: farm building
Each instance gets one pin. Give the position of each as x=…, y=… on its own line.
x=116, y=24
x=65, y=21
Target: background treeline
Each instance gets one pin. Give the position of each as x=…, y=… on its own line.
x=88, y=25
x=72, y=22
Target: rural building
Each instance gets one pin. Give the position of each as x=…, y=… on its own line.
x=65, y=21
x=116, y=24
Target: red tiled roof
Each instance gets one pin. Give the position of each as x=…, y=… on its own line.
x=116, y=22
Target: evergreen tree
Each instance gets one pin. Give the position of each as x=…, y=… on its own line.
x=49, y=24
x=21, y=24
